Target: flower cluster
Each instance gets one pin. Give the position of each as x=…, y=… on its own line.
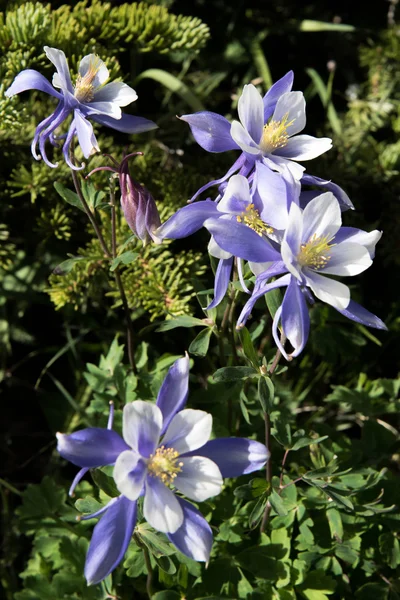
x=165, y=450
x=263, y=215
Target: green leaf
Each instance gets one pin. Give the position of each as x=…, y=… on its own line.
x=105, y=481
x=306, y=441
x=311, y=25
x=390, y=549
x=248, y=347
x=67, y=265
x=233, y=373
x=183, y=321
x=93, y=196
x=199, y=346
x=167, y=595
x=174, y=85
x=274, y=300
x=165, y=564
x=87, y=505
x=257, y=512
x=266, y=393
x=277, y=504
x=125, y=258
x=373, y=591
x=335, y=523
x=155, y=542
x=257, y=560
x=68, y=196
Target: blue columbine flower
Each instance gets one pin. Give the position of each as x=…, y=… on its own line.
x=315, y=245
x=247, y=217
x=164, y=448
x=91, y=97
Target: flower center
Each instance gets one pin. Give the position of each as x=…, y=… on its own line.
x=314, y=253
x=84, y=88
x=251, y=218
x=164, y=464
x=275, y=135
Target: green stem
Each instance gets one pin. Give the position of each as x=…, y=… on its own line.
x=146, y=555
x=10, y=487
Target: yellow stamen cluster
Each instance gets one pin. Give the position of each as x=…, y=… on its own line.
x=314, y=253
x=275, y=135
x=84, y=88
x=163, y=464
x=251, y=218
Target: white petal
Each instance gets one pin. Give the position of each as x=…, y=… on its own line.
x=87, y=139
x=142, y=423
x=199, y=479
x=290, y=260
x=104, y=108
x=98, y=67
x=216, y=251
x=251, y=112
x=57, y=57
x=292, y=107
x=281, y=164
x=294, y=233
x=328, y=290
x=347, y=259
x=130, y=471
x=236, y=196
x=56, y=81
x=117, y=92
x=322, y=217
x=161, y=508
x=258, y=268
x=243, y=139
x=305, y=147
x=189, y=429
x=358, y=236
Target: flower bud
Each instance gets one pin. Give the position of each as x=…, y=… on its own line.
x=138, y=206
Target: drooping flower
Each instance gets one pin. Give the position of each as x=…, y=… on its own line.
x=315, y=245
x=91, y=98
x=137, y=203
x=164, y=448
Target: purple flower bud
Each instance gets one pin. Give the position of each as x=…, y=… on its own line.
x=138, y=206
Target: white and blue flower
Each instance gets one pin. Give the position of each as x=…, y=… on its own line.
x=90, y=98
x=165, y=449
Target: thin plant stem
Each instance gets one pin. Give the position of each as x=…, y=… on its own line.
x=267, y=424
x=146, y=555
x=118, y=279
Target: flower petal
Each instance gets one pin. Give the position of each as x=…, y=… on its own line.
x=216, y=251
x=305, y=147
x=199, y=479
x=110, y=540
x=291, y=107
x=189, y=429
x=328, y=290
x=281, y=164
x=241, y=163
x=244, y=140
x=130, y=471
x=211, y=131
x=57, y=57
x=359, y=314
x=280, y=87
x=295, y=317
x=337, y=191
x=174, y=390
x=31, y=80
x=194, y=537
x=86, y=137
x=321, y=217
x=92, y=447
x=91, y=62
x=235, y=456
x=248, y=307
x=161, y=507
x=236, y=196
x=222, y=277
x=187, y=220
x=347, y=259
x=142, y=423
x=109, y=109
x=241, y=241
x=116, y=91
x=251, y=112
x=270, y=196
x=126, y=124
x=358, y=236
